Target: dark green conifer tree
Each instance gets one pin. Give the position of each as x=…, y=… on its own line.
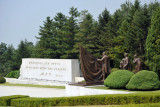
x=46, y=44
x=59, y=24
x=103, y=28
x=84, y=37
x=21, y=52
x=72, y=29
x=153, y=43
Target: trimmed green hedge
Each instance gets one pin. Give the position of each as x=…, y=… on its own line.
x=144, y=80
x=13, y=74
x=6, y=100
x=88, y=100
x=138, y=105
x=119, y=99
x=118, y=79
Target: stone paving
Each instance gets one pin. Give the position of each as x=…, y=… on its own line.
x=31, y=91
x=50, y=92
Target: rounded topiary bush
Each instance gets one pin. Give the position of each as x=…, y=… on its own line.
x=118, y=79
x=13, y=74
x=144, y=80
x=2, y=80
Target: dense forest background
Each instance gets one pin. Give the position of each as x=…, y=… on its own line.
x=134, y=28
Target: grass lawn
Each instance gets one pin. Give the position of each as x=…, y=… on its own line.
x=31, y=85
x=107, y=88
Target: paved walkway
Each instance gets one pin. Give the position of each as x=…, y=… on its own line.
x=50, y=92
x=31, y=91
x=53, y=92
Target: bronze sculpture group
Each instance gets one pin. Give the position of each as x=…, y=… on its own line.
x=96, y=70
x=126, y=64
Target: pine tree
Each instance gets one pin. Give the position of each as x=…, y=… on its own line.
x=9, y=54
x=103, y=28
x=46, y=44
x=84, y=37
x=152, y=7
x=139, y=30
x=59, y=24
x=3, y=48
x=22, y=52
x=72, y=29
x=130, y=32
x=103, y=19
x=117, y=19
x=3, y=62
x=126, y=9
x=153, y=43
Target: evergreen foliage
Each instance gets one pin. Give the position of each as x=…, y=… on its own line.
x=6, y=58
x=59, y=24
x=46, y=47
x=72, y=29
x=104, y=31
x=22, y=52
x=144, y=80
x=153, y=43
x=118, y=79
x=85, y=35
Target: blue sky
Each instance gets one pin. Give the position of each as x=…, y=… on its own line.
x=20, y=19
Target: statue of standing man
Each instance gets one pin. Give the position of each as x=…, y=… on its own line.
x=125, y=63
x=105, y=65
x=137, y=61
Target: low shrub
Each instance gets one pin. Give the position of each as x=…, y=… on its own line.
x=2, y=80
x=119, y=99
x=13, y=74
x=144, y=80
x=118, y=79
x=6, y=100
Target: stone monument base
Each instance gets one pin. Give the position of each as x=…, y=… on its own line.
x=35, y=82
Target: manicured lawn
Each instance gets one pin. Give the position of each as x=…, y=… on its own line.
x=30, y=85
x=106, y=88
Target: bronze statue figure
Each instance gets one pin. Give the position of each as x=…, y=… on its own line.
x=137, y=61
x=121, y=64
x=105, y=65
x=94, y=71
x=125, y=63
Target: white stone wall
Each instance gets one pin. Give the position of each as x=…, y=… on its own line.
x=50, y=69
